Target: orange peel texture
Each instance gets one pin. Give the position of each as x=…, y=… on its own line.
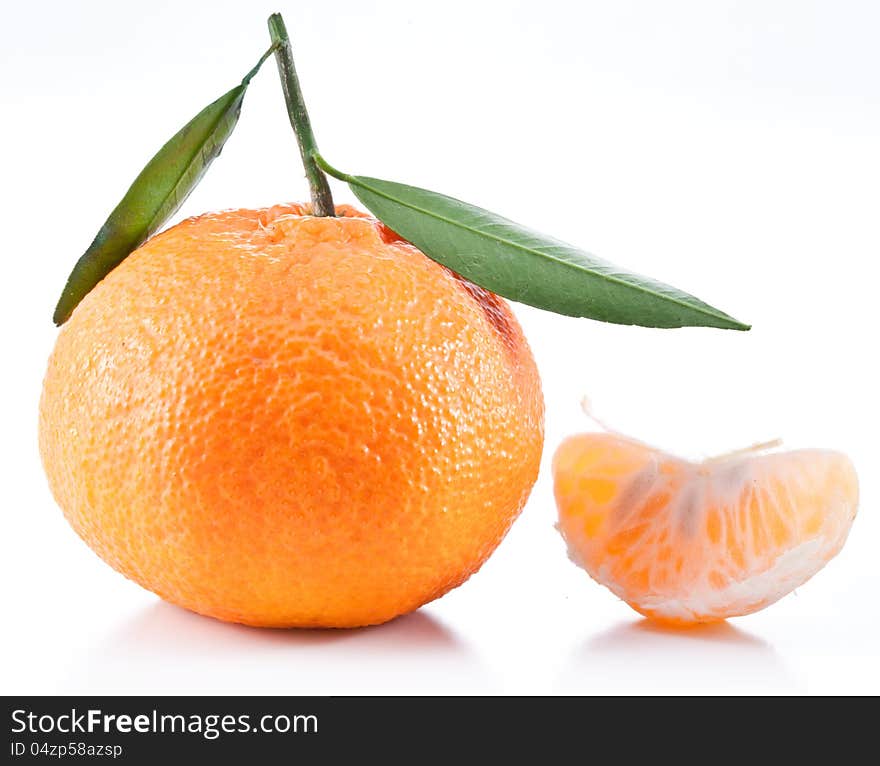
x=283, y=420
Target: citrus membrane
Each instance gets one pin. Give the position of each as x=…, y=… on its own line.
x=690, y=542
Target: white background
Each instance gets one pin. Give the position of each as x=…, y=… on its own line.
x=729, y=148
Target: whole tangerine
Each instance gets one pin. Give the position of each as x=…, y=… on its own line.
x=285, y=420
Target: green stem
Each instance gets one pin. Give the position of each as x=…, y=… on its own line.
x=322, y=200
x=328, y=168
x=250, y=75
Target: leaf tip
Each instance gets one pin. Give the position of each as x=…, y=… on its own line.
x=735, y=324
x=61, y=313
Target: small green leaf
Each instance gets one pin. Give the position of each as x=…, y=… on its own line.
x=156, y=194
x=525, y=266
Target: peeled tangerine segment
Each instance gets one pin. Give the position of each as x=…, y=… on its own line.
x=688, y=542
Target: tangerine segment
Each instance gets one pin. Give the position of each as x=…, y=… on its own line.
x=283, y=420
x=697, y=542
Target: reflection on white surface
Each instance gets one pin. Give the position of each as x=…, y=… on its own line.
x=164, y=649
x=645, y=657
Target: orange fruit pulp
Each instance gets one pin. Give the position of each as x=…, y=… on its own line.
x=686, y=542
x=284, y=420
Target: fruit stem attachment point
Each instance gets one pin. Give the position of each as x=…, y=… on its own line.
x=322, y=200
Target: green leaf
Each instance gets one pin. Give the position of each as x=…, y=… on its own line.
x=156, y=193
x=525, y=266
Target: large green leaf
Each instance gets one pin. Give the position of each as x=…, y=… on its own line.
x=156, y=194
x=525, y=266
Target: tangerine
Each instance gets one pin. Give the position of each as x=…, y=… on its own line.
x=285, y=420
x=686, y=542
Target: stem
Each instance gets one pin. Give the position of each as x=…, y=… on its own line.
x=322, y=200
x=328, y=168
x=250, y=75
